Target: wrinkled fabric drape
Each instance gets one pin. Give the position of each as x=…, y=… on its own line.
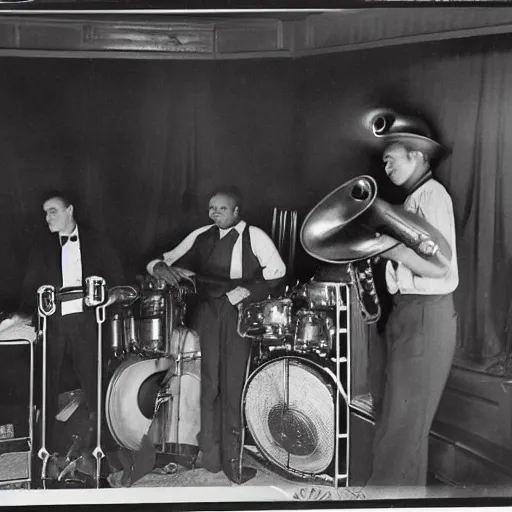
x=143, y=142
x=462, y=89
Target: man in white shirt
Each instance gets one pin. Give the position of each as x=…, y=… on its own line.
x=234, y=263
x=421, y=330
x=63, y=257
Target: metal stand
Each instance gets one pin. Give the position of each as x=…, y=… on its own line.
x=342, y=364
x=46, y=307
x=96, y=297
x=29, y=440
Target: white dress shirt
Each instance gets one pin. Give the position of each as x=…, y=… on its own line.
x=264, y=249
x=432, y=202
x=71, y=264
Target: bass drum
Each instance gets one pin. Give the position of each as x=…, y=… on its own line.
x=131, y=398
x=289, y=410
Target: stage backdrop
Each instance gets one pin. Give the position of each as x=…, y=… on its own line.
x=144, y=141
x=463, y=89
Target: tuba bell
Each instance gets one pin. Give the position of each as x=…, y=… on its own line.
x=352, y=225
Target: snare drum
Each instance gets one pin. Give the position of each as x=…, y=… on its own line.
x=270, y=319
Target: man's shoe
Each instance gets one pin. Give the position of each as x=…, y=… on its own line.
x=202, y=462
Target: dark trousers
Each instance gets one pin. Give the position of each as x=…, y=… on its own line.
x=420, y=341
x=224, y=356
x=71, y=339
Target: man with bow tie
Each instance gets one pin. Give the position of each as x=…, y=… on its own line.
x=64, y=257
x=234, y=264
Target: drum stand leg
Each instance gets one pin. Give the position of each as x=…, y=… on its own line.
x=46, y=307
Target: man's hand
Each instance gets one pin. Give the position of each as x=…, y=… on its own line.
x=237, y=295
x=436, y=266
x=171, y=275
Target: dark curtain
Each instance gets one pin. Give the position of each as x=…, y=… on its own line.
x=141, y=143
x=144, y=141
x=463, y=89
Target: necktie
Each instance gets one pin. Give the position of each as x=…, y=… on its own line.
x=64, y=239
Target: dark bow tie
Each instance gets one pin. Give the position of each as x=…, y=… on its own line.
x=65, y=238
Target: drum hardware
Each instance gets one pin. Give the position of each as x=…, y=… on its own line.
x=150, y=323
x=131, y=339
x=331, y=331
x=169, y=320
x=310, y=333
x=96, y=297
x=46, y=307
x=115, y=324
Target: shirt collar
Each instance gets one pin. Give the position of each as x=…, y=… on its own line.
x=239, y=227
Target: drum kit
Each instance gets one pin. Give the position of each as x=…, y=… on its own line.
x=153, y=372
x=155, y=388
x=153, y=379
x=299, y=323
x=289, y=398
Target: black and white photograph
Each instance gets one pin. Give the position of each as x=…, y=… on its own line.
x=256, y=255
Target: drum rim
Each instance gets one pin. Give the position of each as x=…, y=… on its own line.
x=115, y=379
x=303, y=361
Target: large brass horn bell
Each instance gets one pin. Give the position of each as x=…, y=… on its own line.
x=352, y=223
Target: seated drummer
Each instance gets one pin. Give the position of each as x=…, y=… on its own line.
x=234, y=263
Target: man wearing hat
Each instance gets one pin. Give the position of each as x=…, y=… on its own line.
x=421, y=331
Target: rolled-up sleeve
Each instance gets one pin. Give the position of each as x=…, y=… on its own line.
x=436, y=207
x=273, y=267
x=179, y=251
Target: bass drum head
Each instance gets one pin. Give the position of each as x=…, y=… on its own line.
x=131, y=397
x=289, y=410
